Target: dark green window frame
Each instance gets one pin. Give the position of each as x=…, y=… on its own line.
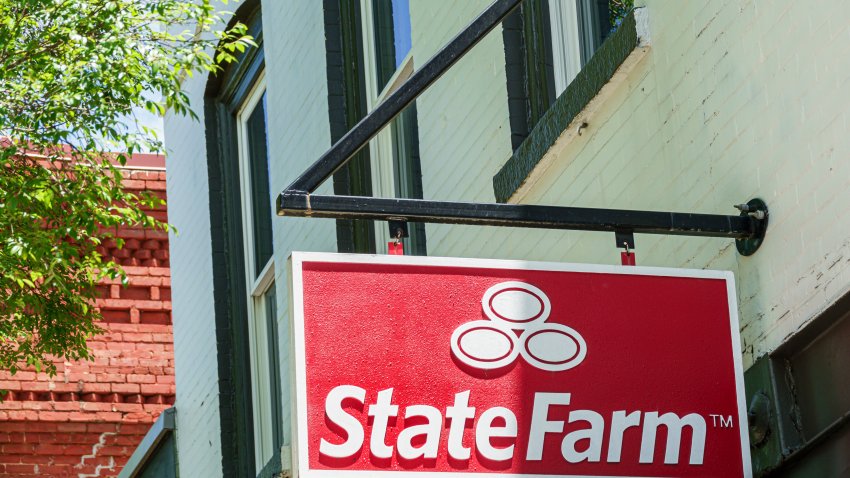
x=225, y=94
x=347, y=105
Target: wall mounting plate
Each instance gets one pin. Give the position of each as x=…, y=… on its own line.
x=749, y=245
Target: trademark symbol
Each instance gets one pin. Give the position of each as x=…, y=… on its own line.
x=720, y=421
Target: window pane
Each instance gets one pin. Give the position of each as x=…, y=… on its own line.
x=258, y=160
x=593, y=25
x=408, y=172
x=270, y=300
x=401, y=29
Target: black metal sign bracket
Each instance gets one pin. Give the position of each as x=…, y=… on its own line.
x=624, y=238
x=398, y=228
x=298, y=199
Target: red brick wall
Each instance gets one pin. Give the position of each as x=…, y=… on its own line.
x=87, y=420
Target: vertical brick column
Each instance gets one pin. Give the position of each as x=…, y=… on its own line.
x=87, y=420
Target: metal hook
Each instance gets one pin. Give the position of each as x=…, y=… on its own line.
x=626, y=245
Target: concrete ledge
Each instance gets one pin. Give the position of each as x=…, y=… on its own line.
x=608, y=67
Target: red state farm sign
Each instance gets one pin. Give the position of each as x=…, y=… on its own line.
x=434, y=366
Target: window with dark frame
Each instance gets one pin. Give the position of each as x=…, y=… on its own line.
x=241, y=215
x=254, y=134
x=256, y=199
x=346, y=106
x=547, y=42
x=376, y=53
x=393, y=44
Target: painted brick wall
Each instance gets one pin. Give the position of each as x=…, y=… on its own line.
x=464, y=130
x=734, y=100
x=88, y=419
x=299, y=132
x=196, y=366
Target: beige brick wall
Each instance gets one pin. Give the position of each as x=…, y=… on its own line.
x=193, y=313
x=734, y=100
x=299, y=132
x=464, y=134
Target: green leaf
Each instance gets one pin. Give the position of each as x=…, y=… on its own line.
x=72, y=74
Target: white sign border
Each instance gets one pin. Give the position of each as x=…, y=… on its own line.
x=298, y=396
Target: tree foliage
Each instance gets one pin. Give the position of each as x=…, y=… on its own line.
x=72, y=74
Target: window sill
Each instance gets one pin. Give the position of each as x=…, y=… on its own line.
x=559, y=126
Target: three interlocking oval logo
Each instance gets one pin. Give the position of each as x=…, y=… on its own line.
x=516, y=325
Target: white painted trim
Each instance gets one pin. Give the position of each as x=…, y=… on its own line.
x=381, y=146
x=299, y=372
x=264, y=280
x=301, y=257
x=404, y=71
x=642, y=26
x=262, y=383
x=245, y=110
x=254, y=96
x=735, y=326
x=256, y=287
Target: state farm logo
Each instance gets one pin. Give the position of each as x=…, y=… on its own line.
x=517, y=325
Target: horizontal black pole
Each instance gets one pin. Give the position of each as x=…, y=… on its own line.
x=296, y=200
x=395, y=103
x=293, y=203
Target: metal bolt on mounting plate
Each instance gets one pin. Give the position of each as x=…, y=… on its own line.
x=756, y=209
